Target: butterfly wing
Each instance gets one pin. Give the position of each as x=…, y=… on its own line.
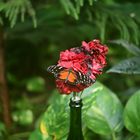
x=84, y=79
x=54, y=69
x=70, y=76
x=64, y=74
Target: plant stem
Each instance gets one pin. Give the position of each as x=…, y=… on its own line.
x=74, y=94
x=81, y=94
x=4, y=96
x=113, y=136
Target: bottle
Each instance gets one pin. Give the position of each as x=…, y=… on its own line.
x=75, y=131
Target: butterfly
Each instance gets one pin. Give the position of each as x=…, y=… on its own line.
x=70, y=76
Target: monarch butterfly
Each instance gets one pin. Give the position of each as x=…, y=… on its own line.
x=69, y=76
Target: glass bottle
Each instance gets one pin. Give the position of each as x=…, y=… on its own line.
x=75, y=131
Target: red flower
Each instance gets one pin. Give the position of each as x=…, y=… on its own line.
x=65, y=88
x=89, y=59
x=70, y=59
x=95, y=47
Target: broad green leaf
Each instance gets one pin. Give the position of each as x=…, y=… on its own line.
x=37, y=135
x=56, y=118
x=55, y=121
x=132, y=114
x=129, y=46
x=104, y=116
x=127, y=66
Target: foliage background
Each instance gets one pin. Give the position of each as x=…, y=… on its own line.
x=35, y=32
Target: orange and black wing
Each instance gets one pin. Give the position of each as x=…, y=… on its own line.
x=70, y=76
x=64, y=74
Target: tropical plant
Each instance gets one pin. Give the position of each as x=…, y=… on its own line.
x=34, y=33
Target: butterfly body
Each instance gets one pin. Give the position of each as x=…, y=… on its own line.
x=69, y=76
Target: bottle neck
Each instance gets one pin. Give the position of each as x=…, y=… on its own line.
x=75, y=132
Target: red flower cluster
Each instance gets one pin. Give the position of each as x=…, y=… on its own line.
x=89, y=59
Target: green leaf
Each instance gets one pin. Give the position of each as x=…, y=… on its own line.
x=104, y=115
x=127, y=66
x=132, y=114
x=2, y=127
x=36, y=84
x=70, y=8
x=90, y=2
x=23, y=117
x=3, y=131
x=65, y=5
x=129, y=46
x=13, y=8
x=78, y=6
x=81, y=2
x=36, y=135
x=131, y=137
x=73, y=10
x=56, y=119
x=101, y=113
